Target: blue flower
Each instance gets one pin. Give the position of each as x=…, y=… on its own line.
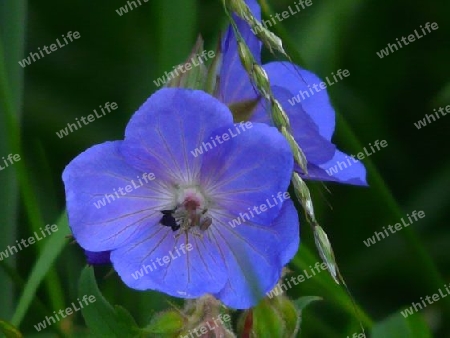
x=98, y=258
x=312, y=120
x=179, y=205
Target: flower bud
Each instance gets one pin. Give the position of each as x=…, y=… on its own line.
x=193, y=73
x=272, y=317
x=166, y=323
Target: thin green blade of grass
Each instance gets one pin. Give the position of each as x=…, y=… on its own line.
x=12, y=31
x=52, y=248
x=37, y=304
x=11, y=123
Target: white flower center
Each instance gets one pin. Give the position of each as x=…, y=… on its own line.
x=191, y=211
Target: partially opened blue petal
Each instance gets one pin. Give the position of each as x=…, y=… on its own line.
x=235, y=84
x=300, y=82
x=255, y=256
x=342, y=168
x=108, y=201
x=317, y=148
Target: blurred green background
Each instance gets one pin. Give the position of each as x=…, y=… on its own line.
x=116, y=60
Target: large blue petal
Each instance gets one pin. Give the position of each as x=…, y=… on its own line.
x=341, y=168
x=255, y=256
x=246, y=171
x=235, y=84
x=191, y=273
x=100, y=222
x=166, y=130
x=296, y=80
x=317, y=149
x=288, y=226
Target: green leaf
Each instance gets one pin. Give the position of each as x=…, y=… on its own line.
x=101, y=317
x=397, y=326
x=302, y=302
x=9, y=330
x=52, y=248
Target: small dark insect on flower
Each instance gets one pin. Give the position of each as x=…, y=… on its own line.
x=206, y=223
x=168, y=220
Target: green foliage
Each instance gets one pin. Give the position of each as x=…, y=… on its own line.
x=102, y=318
x=398, y=326
x=166, y=323
x=9, y=330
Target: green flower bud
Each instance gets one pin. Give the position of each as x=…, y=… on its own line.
x=167, y=324
x=208, y=317
x=276, y=317
x=193, y=73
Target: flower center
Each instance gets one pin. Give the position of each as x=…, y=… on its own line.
x=190, y=212
x=191, y=199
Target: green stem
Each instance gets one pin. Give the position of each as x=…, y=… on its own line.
x=303, y=260
x=37, y=304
